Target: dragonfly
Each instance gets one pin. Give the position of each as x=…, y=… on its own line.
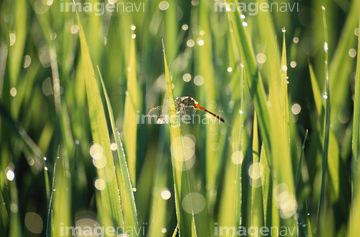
x=184, y=105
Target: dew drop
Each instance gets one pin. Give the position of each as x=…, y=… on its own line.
x=10, y=175
x=261, y=58
x=293, y=64
x=200, y=42
x=190, y=43
x=74, y=29
x=193, y=203
x=325, y=47
x=27, y=61
x=100, y=184
x=237, y=157
x=113, y=146
x=325, y=96
x=352, y=53
x=164, y=5
x=13, y=92
x=12, y=37
x=296, y=108
x=53, y=36
x=165, y=194
x=187, y=77
x=198, y=80
x=96, y=151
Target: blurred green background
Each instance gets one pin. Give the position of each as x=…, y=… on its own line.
x=263, y=72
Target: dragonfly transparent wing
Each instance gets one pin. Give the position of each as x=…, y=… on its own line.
x=185, y=110
x=160, y=114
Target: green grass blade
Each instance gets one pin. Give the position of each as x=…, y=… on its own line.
x=17, y=50
x=356, y=130
x=298, y=169
x=316, y=91
x=265, y=186
x=131, y=106
x=205, y=56
x=354, y=228
x=175, y=231
x=341, y=66
x=30, y=145
x=181, y=178
x=100, y=134
x=243, y=44
x=60, y=215
x=49, y=222
x=327, y=122
x=123, y=175
x=268, y=38
x=256, y=197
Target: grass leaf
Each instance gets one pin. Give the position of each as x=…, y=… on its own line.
x=100, y=134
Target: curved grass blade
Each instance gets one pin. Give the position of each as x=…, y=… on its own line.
x=316, y=91
x=341, y=66
x=60, y=205
x=127, y=199
x=30, y=145
x=100, y=134
x=298, y=169
x=243, y=44
x=181, y=178
x=256, y=196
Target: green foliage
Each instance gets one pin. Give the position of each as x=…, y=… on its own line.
x=76, y=150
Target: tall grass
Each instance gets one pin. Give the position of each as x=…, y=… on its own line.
x=75, y=151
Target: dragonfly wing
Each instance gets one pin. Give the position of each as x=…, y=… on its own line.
x=162, y=120
x=160, y=114
x=155, y=111
x=190, y=110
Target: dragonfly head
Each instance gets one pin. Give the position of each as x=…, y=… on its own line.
x=178, y=100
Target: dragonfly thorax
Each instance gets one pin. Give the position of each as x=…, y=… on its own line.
x=185, y=101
